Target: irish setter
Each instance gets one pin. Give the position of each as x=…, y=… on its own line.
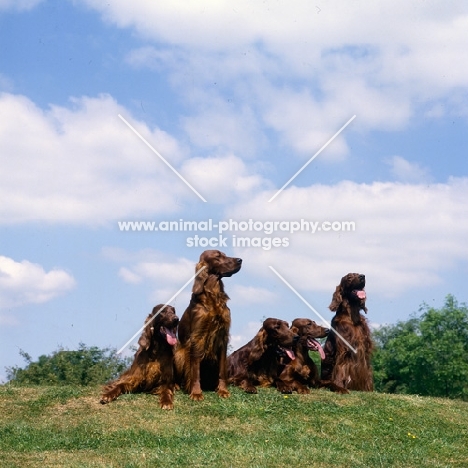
x=302, y=373
x=204, y=328
x=152, y=369
x=346, y=367
x=261, y=361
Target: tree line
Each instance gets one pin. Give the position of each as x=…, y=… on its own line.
x=425, y=355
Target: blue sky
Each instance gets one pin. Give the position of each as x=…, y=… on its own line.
x=237, y=98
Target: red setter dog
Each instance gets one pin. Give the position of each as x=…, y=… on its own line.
x=204, y=328
x=152, y=369
x=302, y=373
x=342, y=365
x=261, y=361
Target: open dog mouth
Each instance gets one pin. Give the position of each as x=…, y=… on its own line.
x=170, y=335
x=314, y=345
x=360, y=293
x=286, y=352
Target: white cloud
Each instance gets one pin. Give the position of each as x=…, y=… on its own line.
x=284, y=28
x=251, y=295
x=160, y=272
x=129, y=276
x=82, y=164
x=209, y=26
x=405, y=235
x=304, y=123
x=406, y=171
x=165, y=274
x=19, y=5
x=223, y=127
x=304, y=69
x=222, y=179
x=25, y=283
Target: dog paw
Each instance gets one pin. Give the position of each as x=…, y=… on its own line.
x=167, y=406
x=196, y=396
x=223, y=393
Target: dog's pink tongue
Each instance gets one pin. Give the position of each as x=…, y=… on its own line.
x=170, y=337
x=361, y=294
x=321, y=351
x=290, y=353
x=316, y=346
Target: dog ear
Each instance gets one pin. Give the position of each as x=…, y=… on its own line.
x=213, y=284
x=337, y=299
x=295, y=330
x=200, y=279
x=259, y=346
x=147, y=335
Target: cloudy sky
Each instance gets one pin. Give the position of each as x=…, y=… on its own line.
x=236, y=97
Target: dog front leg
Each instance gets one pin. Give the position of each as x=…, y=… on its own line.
x=125, y=384
x=195, y=388
x=222, y=389
x=166, y=396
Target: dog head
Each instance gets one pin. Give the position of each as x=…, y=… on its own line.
x=214, y=265
x=277, y=335
x=160, y=325
x=308, y=331
x=350, y=291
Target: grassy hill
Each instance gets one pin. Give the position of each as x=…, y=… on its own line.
x=67, y=427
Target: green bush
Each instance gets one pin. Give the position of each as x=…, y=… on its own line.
x=86, y=366
x=426, y=355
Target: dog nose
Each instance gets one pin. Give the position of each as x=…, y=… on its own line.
x=238, y=261
x=327, y=331
x=296, y=338
x=362, y=277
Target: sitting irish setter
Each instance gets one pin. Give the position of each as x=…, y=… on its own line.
x=348, y=351
x=302, y=373
x=262, y=359
x=152, y=369
x=204, y=328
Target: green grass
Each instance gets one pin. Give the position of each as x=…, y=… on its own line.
x=67, y=427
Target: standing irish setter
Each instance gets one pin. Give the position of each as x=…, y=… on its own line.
x=204, y=328
x=346, y=367
x=152, y=369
